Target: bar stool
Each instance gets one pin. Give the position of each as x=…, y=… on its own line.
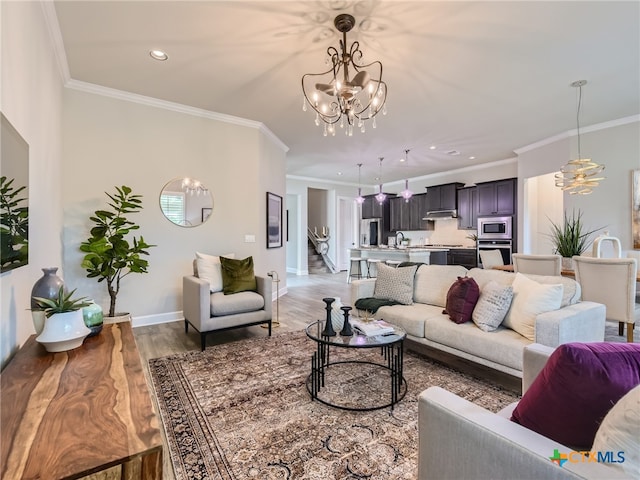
x=393, y=263
x=372, y=262
x=355, y=268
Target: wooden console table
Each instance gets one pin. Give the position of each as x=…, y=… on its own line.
x=78, y=413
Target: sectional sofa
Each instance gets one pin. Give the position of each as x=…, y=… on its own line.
x=502, y=349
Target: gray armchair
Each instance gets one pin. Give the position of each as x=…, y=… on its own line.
x=210, y=312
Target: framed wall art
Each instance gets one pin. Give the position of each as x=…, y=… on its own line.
x=274, y=220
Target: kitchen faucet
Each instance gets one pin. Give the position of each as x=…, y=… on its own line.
x=399, y=233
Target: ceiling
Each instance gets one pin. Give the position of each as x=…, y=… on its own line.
x=481, y=78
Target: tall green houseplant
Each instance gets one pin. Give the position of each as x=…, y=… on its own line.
x=570, y=238
x=110, y=255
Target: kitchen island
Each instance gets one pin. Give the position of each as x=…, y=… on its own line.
x=428, y=255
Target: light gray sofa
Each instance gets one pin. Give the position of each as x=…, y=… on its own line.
x=502, y=349
x=460, y=440
x=214, y=312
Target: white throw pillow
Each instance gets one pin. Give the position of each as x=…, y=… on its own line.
x=209, y=269
x=530, y=299
x=492, y=306
x=395, y=283
x=620, y=432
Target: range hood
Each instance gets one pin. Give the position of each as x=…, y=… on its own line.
x=440, y=214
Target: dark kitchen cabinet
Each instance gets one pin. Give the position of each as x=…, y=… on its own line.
x=497, y=198
x=408, y=215
x=467, y=257
x=443, y=197
x=372, y=209
x=468, y=208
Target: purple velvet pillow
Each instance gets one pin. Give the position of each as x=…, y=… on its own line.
x=461, y=299
x=576, y=388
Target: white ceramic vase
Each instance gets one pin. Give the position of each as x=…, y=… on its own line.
x=63, y=331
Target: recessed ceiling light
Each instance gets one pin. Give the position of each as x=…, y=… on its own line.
x=158, y=55
x=472, y=157
x=339, y=173
x=432, y=147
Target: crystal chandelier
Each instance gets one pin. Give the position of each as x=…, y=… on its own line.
x=406, y=193
x=192, y=187
x=380, y=197
x=578, y=177
x=337, y=97
x=359, y=198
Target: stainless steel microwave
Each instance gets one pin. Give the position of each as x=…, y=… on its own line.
x=495, y=228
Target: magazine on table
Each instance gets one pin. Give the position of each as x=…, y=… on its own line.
x=370, y=329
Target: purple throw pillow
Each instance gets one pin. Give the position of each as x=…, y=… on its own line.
x=461, y=299
x=579, y=384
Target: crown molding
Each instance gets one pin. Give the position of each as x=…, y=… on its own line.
x=53, y=27
x=322, y=180
x=174, y=107
x=574, y=132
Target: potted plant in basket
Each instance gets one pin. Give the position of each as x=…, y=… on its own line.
x=570, y=238
x=64, y=328
x=109, y=254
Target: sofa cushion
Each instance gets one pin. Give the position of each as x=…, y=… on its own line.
x=237, y=275
x=620, y=432
x=503, y=346
x=570, y=288
x=530, y=299
x=395, y=283
x=461, y=299
x=207, y=267
x=492, y=306
x=433, y=282
x=409, y=317
x=242, y=302
x=576, y=388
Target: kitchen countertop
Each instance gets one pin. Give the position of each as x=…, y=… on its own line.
x=425, y=248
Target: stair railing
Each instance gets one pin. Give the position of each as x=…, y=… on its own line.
x=321, y=244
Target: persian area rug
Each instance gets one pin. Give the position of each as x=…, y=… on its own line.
x=242, y=411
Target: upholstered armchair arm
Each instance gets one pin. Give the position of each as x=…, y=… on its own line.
x=460, y=440
x=196, y=300
x=580, y=322
x=265, y=286
x=362, y=289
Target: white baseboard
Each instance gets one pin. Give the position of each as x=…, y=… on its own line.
x=156, y=319
x=295, y=271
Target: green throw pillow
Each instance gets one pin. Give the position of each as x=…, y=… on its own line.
x=237, y=275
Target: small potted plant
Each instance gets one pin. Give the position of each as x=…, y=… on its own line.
x=64, y=328
x=110, y=255
x=570, y=238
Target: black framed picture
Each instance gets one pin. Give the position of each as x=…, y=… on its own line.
x=274, y=220
x=206, y=212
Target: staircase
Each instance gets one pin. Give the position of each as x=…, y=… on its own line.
x=315, y=261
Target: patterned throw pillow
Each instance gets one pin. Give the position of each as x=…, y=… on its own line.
x=492, y=306
x=395, y=283
x=461, y=298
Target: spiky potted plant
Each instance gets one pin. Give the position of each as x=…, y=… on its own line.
x=64, y=328
x=570, y=238
x=112, y=253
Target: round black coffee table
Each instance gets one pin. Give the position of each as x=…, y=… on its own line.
x=391, y=358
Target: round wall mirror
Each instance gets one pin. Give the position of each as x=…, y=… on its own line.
x=186, y=202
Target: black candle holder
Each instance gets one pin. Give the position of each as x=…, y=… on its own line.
x=346, y=326
x=328, y=325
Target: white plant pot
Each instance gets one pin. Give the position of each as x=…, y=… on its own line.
x=63, y=331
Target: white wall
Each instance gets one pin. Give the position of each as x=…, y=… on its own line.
x=30, y=98
x=109, y=141
x=615, y=145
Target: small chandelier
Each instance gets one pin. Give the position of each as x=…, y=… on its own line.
x=406, y=193
x=380, y=197
x=578, y=177
x=335, y=96
x=192, y=187
x=359, y=198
